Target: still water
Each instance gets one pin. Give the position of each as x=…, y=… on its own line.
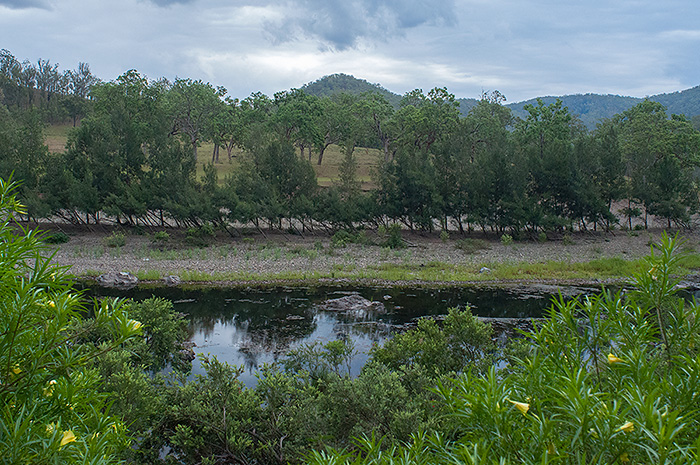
x=251, y=326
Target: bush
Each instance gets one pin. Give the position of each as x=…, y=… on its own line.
x=116, y=239
x=343, y=237
x=393, y=237
x=161, y=237
x=51, y=407
x=57, y=238
x=506, y=239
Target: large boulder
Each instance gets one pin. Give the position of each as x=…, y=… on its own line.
x=118, y=280
x=353, y=305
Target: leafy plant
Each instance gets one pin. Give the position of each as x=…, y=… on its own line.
x=51, y=408
x=116, y=239
x=57, y=238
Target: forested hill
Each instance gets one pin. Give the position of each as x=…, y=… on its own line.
x=336, y=83
x=590, y=108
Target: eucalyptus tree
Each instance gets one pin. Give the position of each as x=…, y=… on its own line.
x=426, y=118
x=80, y=83
x=193, y=106
x=51, y=83
x=332, y=123
x=379, y=114
x=17, y=80
x=294, y=119
x=226, y=128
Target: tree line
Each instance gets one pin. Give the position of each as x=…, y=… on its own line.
x=134, y=156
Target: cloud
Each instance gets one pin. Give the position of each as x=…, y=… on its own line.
x=343, y=25
x=25, y=4
x=166, y=3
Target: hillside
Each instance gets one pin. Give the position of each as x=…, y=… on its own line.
x=590, y=108
x=337, y=83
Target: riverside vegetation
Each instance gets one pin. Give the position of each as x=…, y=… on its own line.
x=136, y=159
x=606, y=379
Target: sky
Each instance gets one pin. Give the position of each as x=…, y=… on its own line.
x=523, y=48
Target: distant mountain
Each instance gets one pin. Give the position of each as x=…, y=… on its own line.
x=590, y=108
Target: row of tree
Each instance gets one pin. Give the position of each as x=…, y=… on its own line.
x=134, y=158
x=57, y=94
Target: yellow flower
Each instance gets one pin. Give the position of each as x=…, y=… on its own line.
x=550, y=449
x=628, y=427
x=15, y=370
x=134, y=325
x=613, y=359
x=48, y=390
x=52, y=304
x=50, y=428
x=594, y=433
x=68, y=437
x=624, y=457
x=521, y=406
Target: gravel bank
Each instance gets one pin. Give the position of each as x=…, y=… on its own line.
x=87, y=253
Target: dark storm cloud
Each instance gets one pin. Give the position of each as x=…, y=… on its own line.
x=22, y=4
x=341, y=25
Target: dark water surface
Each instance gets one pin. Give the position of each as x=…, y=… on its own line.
x=254, y=326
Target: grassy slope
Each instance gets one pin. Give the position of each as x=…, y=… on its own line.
x=56, y=137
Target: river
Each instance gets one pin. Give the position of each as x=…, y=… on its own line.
x=253, y=326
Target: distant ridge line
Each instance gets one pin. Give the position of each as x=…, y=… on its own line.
x=591, y=108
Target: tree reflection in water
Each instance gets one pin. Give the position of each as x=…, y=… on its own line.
x=251, y=327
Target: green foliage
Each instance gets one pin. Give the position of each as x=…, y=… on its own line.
x=461, y=344
x=507, y=239
x=116, y=239
x=604, y=379
x=51, y=410
x=393, y=238
x=57, y=238
x=161, y=237
x=343, y=237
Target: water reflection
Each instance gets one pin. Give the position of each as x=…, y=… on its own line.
x=251, y=327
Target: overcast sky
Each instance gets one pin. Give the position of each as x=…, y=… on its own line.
x=523, y=48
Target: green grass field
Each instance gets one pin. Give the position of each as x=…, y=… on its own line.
x=56, y=137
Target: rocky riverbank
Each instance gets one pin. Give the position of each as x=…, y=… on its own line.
x=284, y=257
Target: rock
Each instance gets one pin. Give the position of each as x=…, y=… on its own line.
x=485, y=270
x=172, y=280
x=186, y=352
x=353, y=305
x=118, y=280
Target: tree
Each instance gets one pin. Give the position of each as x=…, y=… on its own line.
x=193, y=106
x=660, y=155
x=294, y=119
x=545, y=138
x=80, y=83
